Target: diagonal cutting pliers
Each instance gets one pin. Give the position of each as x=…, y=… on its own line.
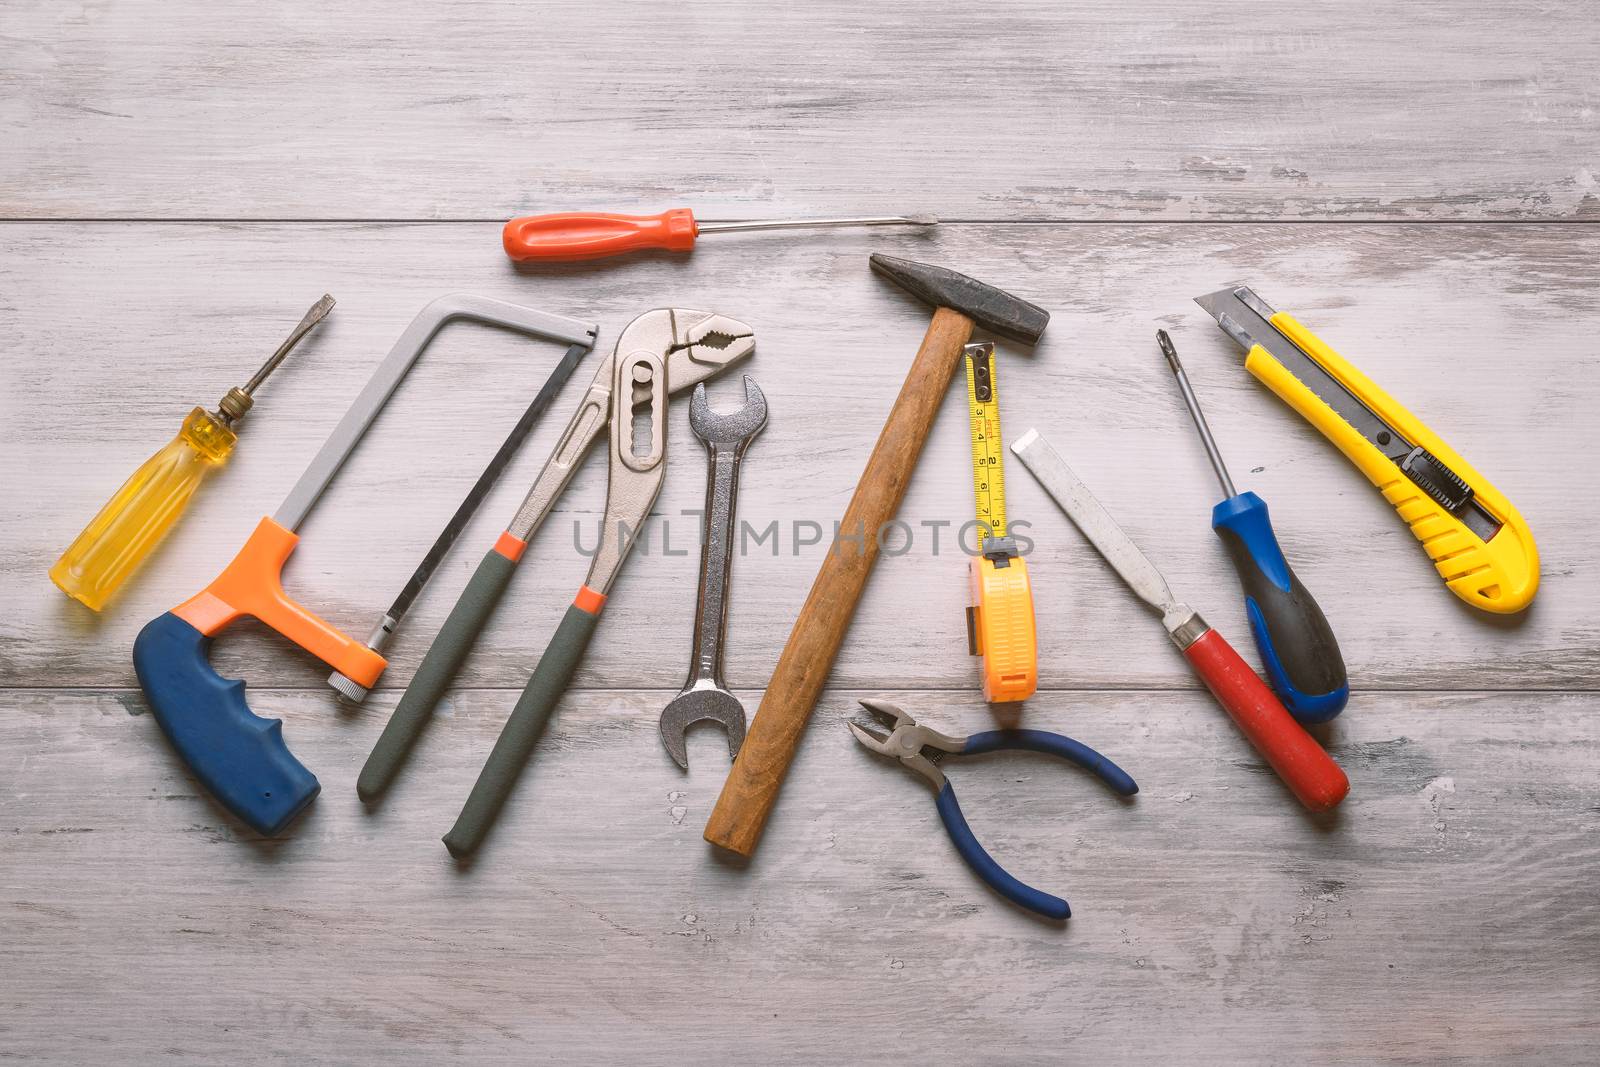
x=921, y=749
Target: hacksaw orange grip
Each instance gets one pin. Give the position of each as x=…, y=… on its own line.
x=252, y=587
x=1500, y=575
x=577, y=235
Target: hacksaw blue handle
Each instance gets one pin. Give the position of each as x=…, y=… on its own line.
x=238, y=756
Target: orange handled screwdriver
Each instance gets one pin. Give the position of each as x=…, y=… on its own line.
x=578, y=235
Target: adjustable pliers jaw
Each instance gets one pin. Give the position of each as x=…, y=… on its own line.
x=702, y=343
x=694, y=345
x=919, y=748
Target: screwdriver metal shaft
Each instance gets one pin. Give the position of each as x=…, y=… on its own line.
x=1193, y=404
x=801, y=224
x=315, y=314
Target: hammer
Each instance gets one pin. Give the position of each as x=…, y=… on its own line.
x=960, y=304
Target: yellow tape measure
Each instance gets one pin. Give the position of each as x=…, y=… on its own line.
x=1000, y=620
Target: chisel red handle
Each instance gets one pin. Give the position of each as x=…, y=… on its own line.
x=576, y=235
x=1309, y=772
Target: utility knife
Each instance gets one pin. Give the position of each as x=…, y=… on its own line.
x=1478, y=542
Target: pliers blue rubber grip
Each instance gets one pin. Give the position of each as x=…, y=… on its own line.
x=921, y=749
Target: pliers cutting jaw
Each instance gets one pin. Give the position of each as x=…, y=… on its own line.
x=921, y=749
x=918, y=747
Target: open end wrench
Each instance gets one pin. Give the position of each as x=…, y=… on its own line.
x=704, y=696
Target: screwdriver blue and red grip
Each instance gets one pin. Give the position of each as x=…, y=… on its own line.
x=1297, y=646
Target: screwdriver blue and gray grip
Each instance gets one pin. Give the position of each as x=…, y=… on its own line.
x=955, y=824
x=522, y=731
x=1297, y=646
x=438, y=669
x=238, y=756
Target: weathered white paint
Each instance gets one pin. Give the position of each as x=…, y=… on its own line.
x=1447, y=913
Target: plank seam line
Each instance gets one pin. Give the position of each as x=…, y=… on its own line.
x=673, y=689
x=1247, y=220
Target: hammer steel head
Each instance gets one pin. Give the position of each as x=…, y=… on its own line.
x=995, y=310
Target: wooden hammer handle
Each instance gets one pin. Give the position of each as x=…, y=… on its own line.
x=752, y=786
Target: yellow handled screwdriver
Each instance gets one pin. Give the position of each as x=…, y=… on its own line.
x=139, y=514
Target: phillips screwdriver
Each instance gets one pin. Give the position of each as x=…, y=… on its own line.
x=1297, y=645
x=579, y=235
x=136, y=518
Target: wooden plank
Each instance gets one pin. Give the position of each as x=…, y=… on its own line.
x=1447, y=110
x=1447, y=912
x=1486, y=331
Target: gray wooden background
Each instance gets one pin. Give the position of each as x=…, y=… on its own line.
x=1417, y=182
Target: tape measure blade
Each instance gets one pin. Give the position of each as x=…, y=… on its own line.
x=988, y=451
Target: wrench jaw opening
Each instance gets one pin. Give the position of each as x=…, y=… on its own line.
x=702, y=700
x=736, y=428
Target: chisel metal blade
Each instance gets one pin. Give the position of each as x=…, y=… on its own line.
x=1097, y=525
